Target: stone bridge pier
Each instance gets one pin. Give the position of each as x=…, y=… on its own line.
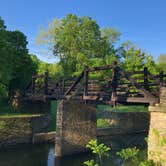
x=76, y=126
x=157, y=132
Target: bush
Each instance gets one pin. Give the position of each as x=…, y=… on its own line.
x=101, y=123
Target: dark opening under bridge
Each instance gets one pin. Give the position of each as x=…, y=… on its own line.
x=122, y=87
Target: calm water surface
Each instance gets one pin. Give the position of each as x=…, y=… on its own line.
x=43, y=155
x=38, y=155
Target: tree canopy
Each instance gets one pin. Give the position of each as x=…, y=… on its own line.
x=161, y=64
x=16, y=65
x=79, y=42
x=134, y=59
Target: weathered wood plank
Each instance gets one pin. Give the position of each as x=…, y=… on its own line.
x=74, y=83
x=100, y=68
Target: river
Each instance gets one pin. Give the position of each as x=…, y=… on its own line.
x=43, y=155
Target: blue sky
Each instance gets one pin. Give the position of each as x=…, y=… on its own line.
x=141, y=21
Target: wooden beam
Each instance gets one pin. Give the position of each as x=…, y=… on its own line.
x=90, y=97
x=74, y=84
x=161, y=76
x=146, y=78
x=85, y=84
x=38, y=76
x=100, y=68
x=46, y=83
x=137, y=99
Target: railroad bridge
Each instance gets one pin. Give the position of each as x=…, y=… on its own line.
x=76, y=96
x=121, y=87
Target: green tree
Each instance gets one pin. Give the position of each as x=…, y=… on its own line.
x=5, y=60
x=162, y=58
x=16, y=64
x=79, y=42
x=111, y=34
x=161, y=64
x=2, y=24
x=134, y=59
x=20, y=58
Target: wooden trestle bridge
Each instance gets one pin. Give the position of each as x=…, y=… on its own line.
x=122, y=87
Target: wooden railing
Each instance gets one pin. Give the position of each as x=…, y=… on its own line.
x=120, y=87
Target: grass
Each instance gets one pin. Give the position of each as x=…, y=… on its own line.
x=18, y=115
x=8, y=111
x=101, y=123
x=123, y=108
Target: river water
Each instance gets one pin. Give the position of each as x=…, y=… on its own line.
x=43, y=155
x=37, y=155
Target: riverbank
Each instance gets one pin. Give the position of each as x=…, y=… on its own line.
x=20, y=129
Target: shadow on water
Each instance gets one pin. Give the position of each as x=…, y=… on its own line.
x=43, y=155
x=38, y=155
x=25, y=155
x=73, y=160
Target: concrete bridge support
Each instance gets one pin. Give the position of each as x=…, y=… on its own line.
x=76, y=125
x=157, y=132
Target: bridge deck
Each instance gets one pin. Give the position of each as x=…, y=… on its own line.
x=121, y=88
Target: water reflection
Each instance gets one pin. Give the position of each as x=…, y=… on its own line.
x=38, y=155
x=24, y=156
x=73, y=160
x=43, y=155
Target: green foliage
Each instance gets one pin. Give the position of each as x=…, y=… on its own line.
x=78, y=42
x=101, y=123
x=90, y=163
x=2, y=125
x=162, y=58
x=13, y=58
x=147, y=163
x=162, y=63
x=161, y=141
x=123, y=108
x=111, y=35
x=3, y=90
x=156, y=132
x=54, y=70
x=135, y=60
x=100, y=149
x=129, y=154
x=5, y=108
x=146, y=139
